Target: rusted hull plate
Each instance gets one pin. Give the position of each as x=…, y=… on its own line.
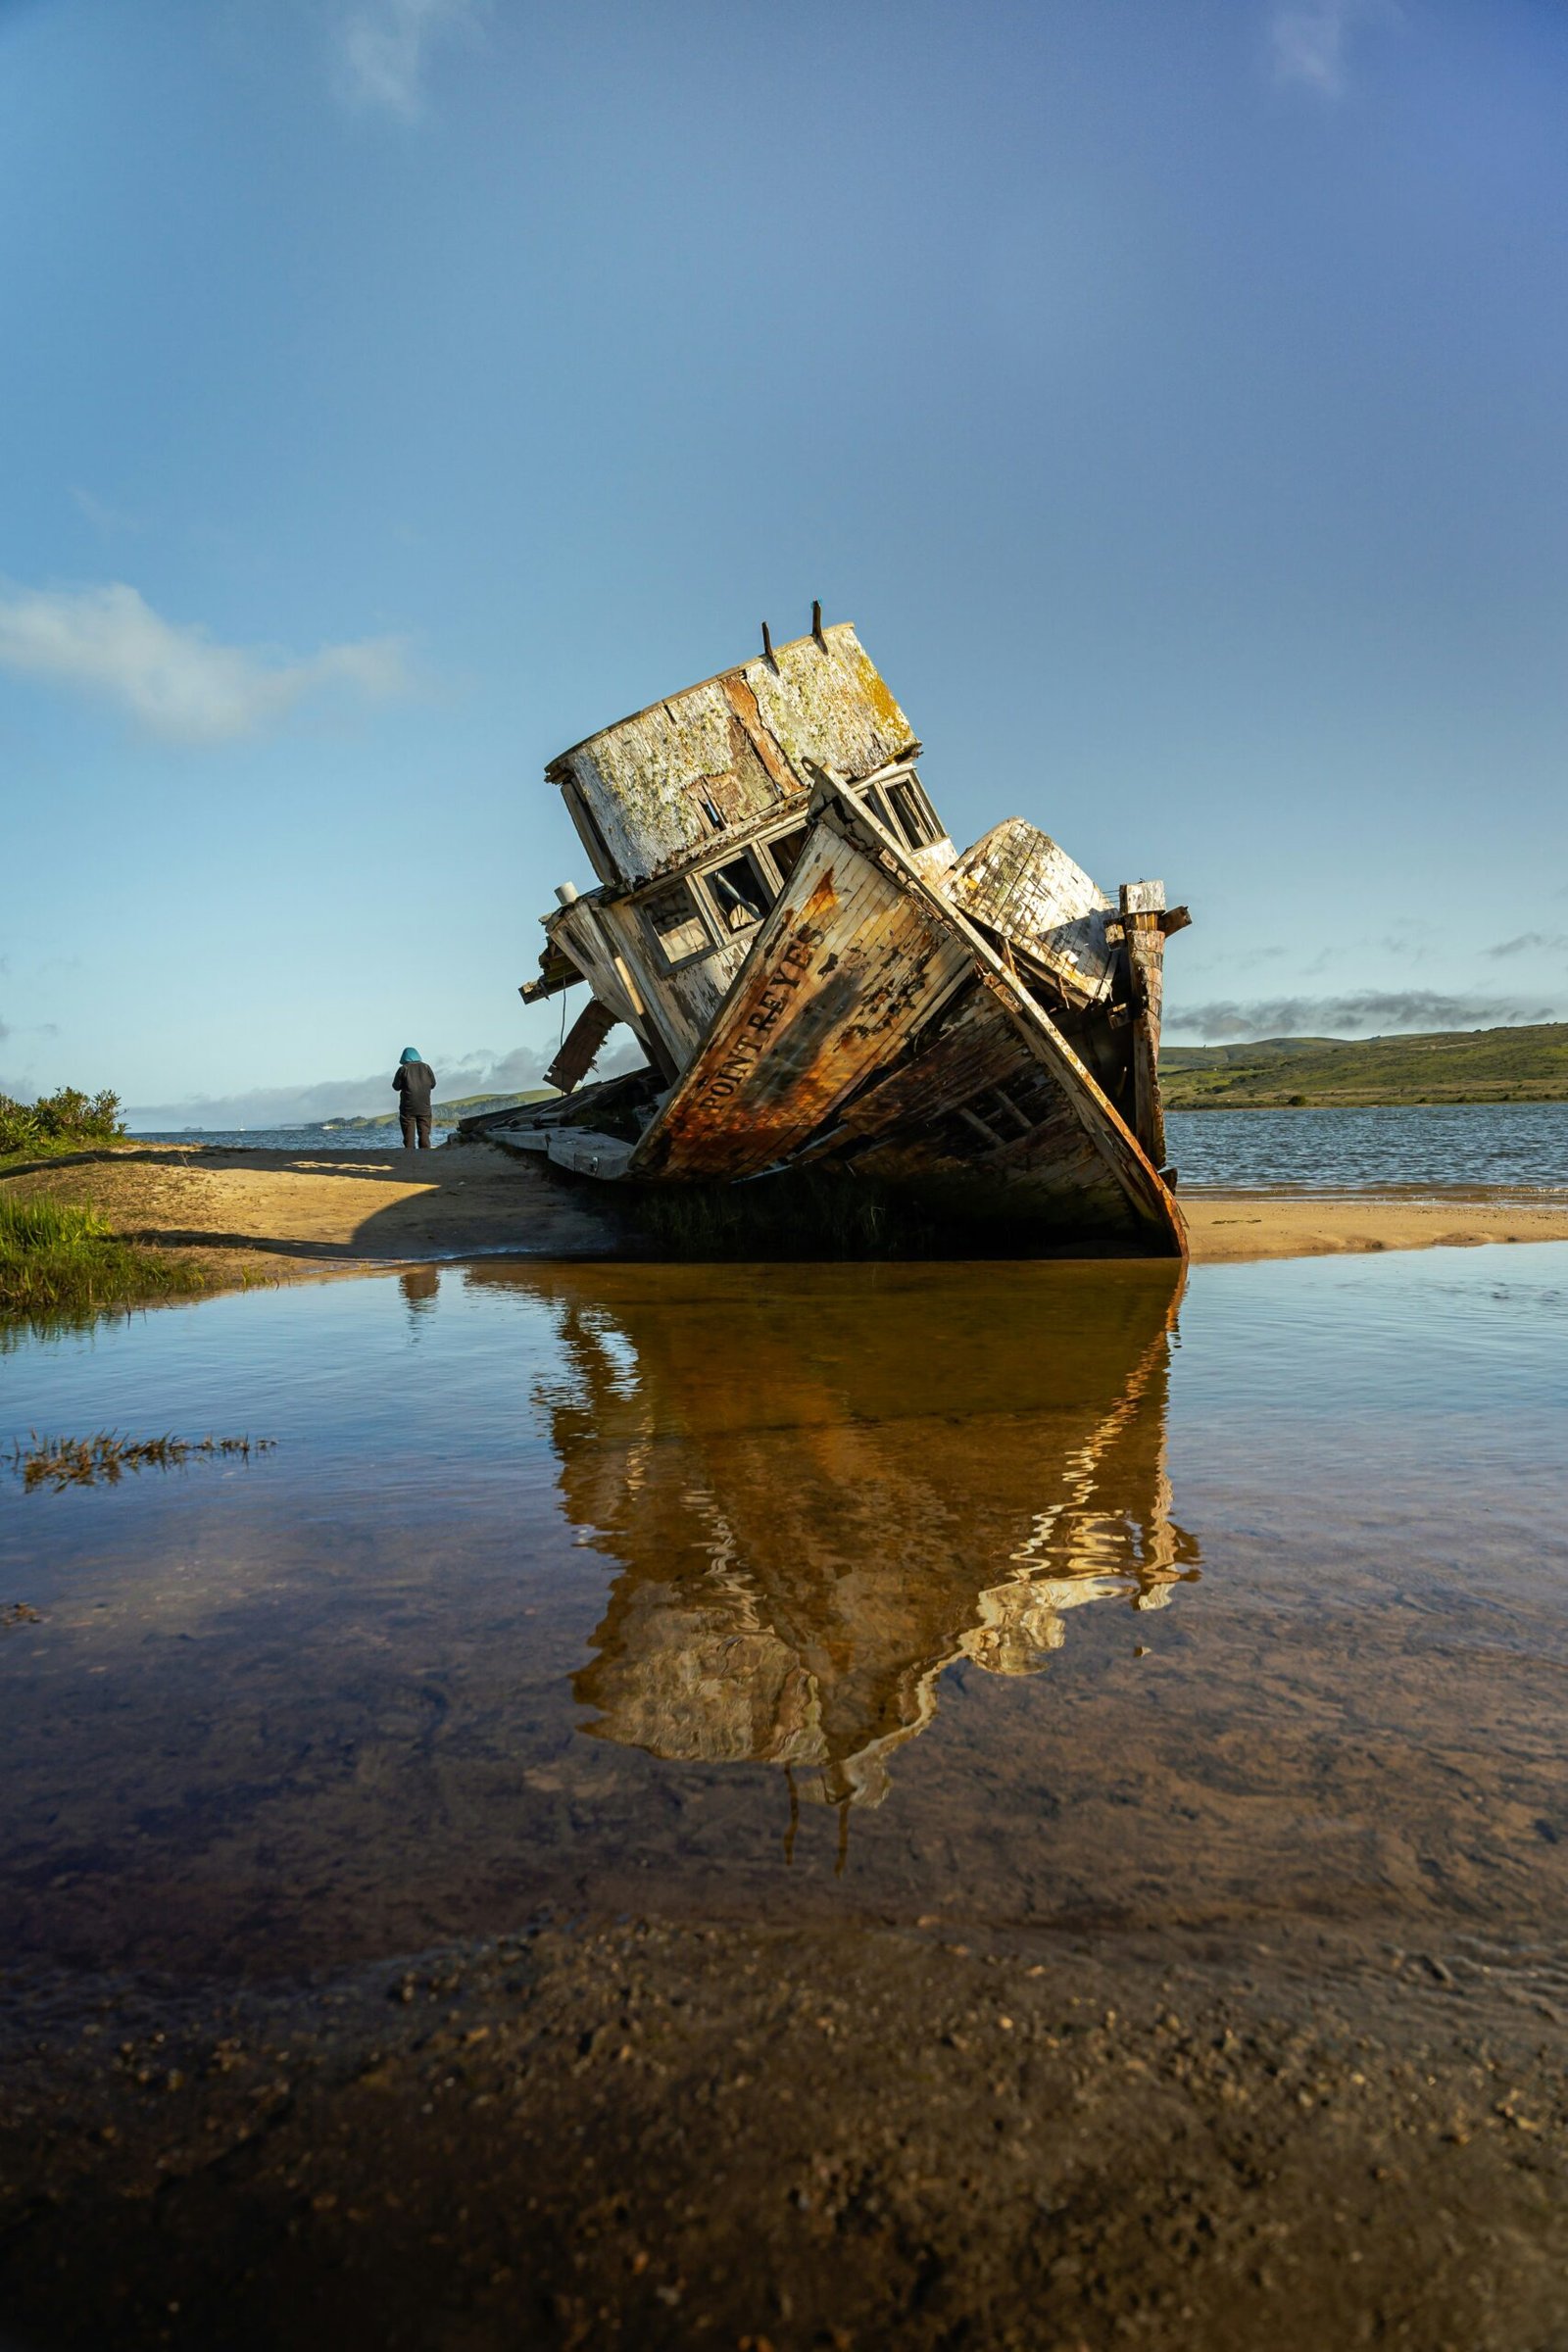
x=875, y=1027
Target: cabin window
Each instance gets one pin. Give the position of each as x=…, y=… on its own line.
x=912, y=817
x=872, y=797
x=785, y=851
x=677, y=923
x=740, y=893
x=901, y=810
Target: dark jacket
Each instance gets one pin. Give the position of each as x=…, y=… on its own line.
x=414, y=1081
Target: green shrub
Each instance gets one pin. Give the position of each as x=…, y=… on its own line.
x=66, y=1120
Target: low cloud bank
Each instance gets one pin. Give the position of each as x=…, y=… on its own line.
x=473, y=1073
x=1373, y=1013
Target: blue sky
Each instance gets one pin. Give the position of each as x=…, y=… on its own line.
x=396, y=390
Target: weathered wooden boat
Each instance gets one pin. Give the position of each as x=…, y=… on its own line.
x=818, y=979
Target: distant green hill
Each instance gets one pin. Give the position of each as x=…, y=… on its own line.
x=459, y=1108
x=1456, y=1065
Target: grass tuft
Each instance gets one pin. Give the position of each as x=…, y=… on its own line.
x=103, y=1459
x=58, y=1261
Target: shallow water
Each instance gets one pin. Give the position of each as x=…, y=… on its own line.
x=1428, y=1147
x=292, y=1139
x=1000, y=1592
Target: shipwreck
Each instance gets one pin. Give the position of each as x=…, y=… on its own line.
x=820, y=980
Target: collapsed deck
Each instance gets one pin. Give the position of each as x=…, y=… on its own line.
x=817, y=978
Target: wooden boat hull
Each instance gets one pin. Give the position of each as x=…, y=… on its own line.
x=873, y=1029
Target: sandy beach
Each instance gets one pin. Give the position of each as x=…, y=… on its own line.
x=280, y=1216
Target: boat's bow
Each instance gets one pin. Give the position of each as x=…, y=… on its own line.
x=874, y=1026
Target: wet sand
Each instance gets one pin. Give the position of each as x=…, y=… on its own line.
x=641, y=2134
x=277, y=1216
x=1228, y=1228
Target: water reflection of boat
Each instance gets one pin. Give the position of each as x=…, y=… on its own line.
x=819, y=1502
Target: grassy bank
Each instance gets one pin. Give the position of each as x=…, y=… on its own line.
x=1461, y=1065
x=58, y=1262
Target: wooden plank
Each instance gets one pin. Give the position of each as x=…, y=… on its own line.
x=845, y=966
x=1142, y=905
x=580, y=1047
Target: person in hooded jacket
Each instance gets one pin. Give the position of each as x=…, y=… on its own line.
x=413, y=1081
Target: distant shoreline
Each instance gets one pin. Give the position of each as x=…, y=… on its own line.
x=1442, y=1069
x=1475, y=1101
x=367, y=1122
x=1448, y=1067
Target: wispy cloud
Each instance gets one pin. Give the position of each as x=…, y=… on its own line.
x=170, y=676
x=1308, y=41
x=476, y=1072
x=1373, y=1012
x=112, y=522
x=384, y=50
x=1529, y=942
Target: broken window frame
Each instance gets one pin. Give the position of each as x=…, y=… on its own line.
x=700, y=915
x=770, y=848
x=912, y=812
x=707, y=902
x=713, y=882
x=901, y=818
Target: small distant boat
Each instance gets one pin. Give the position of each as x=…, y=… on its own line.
x=818, y=979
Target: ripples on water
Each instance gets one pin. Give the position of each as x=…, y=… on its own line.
x=1437, y=1146
x=1018, y=1592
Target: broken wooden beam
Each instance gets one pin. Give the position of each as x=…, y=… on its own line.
x=1143, y=916
x=580, y=1046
